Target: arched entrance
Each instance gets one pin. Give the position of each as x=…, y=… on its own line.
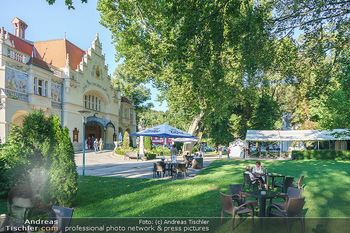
x=94, y=129
x=18, y=117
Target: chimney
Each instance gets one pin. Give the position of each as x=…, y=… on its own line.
x=20, y=27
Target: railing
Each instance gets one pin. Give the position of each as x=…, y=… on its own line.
x=16, y=56
x=56, y=105
x=16, y=95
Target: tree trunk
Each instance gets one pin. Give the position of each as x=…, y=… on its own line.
x=193, y=130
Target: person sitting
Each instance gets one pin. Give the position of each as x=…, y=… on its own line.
x=188, y=159
x=252, y=177
x=162, y=162
x=257, y=170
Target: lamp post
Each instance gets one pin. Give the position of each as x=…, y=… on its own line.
x=84, y=114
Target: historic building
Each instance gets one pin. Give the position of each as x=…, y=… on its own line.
x=60, y=78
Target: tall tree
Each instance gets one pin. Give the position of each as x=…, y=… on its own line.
x=201, y=55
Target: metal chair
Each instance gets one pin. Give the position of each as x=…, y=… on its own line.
x=288, y=181
x=229, y=207
x=293, y=209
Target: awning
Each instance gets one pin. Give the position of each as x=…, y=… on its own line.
x=294, y=135
x=102, y=121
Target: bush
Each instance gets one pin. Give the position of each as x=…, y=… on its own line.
x=126, y=141
x=119, y=151
x=150, y=156
x=41, y=155
x=322, y=154
x=159, y=150
x=148, y=143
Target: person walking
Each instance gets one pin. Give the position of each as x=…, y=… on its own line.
x=220, y=152
x=101, y=144
x=228, y=152
x=96, y=145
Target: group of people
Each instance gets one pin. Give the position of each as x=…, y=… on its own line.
x=255, y=176
x=94, y=144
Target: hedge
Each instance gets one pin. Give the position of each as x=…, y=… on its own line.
x=119, y=151
x=150, y=156
x=321, y=154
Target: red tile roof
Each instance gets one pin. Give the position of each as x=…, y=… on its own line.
x=39, y=63
x=55, y=52
x=21, y=45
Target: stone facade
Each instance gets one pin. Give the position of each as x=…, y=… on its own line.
x=60, y=78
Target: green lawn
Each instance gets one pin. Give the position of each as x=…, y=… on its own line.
x=327, y=191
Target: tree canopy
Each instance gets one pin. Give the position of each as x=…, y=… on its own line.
x=231, y=65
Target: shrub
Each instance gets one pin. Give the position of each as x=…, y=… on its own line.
x=119, y=151
x=150, y=156
x=148, y=143
x=126, y=141
x=322, y=154
x=41, y=154
x=159, y=150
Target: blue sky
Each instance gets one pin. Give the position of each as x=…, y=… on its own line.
x=47, y=22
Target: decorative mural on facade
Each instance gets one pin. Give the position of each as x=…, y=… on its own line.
x=56, y=91
x=16, y=81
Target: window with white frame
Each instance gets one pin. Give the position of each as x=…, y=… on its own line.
x=40, y=87
x=93, y=102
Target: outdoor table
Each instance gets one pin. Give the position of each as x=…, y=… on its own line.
x=262, y=197
x=268, y=176
x=170, y=167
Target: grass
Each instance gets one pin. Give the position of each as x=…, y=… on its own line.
x=326, y=191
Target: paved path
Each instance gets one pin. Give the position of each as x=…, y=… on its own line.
x=106, y=165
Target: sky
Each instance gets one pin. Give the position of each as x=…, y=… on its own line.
x=49, y=22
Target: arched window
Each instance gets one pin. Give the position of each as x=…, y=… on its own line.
x=93, y=102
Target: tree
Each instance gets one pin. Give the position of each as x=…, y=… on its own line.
x=68, y=3
x=148, y=143
x=40, y=156
x=199, y=54
x=126, y=141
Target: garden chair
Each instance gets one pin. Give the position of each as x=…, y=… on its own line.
x=181, y=168
x=299, y=183
x=158, y=168
x=293, y=209
x=292, y=193
x=235, y=189
x=63, y=215
x=229, y=207
x=248, y=181
x=288, y=181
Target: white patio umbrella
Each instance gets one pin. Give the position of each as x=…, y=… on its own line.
x=164, y=131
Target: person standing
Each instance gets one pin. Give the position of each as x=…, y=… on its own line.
x=89, y=143
x=96, y=145
x=86, y=144
x=220, y=152
x=173, y=153
x=92, y=142
x=228, y=152
x=101, y=144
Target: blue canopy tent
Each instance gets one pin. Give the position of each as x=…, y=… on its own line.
x=164, y=131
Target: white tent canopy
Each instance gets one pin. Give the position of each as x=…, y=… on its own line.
x=294, y=135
